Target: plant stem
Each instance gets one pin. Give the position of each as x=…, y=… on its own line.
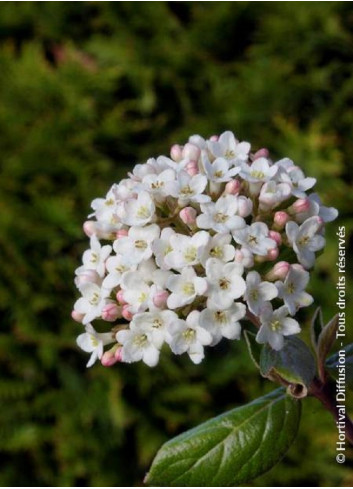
x=324, y=392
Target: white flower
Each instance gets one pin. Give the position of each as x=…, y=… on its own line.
x=220, y=216
x=219, y=170
x=140, y=211
x=327, y=214
x=161, y=247
x=93, y=342
x=275, y=325
x=116, y=267
x=304, y=240
x=188, y=336
x=186, y=249
x=257, y=292
x=138, y=343
x=92, y=302
x=225, y=283
x=244, y=257
x=272, y=194
x=185, y=287
x=255, y=238
x=228, y=147
x=259, y=171
x=136, y=291
x=218, y=247
x=136, y=247
x=223, y=323
x=156, y=323
x=292, y=290
x=105, y=210
x=296, y=178
x=189, y=188
x=159, y=185
x=94, y=259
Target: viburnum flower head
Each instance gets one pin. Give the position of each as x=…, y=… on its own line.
x=191, y=248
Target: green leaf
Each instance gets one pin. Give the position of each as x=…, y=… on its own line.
x=254, y=348
x=333, y=364
x=293, y=366
x=316, y=327
x=232, y=448
x=326, y=340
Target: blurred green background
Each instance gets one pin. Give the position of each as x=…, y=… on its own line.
x=86, y=90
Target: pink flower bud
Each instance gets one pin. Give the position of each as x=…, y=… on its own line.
x=108, y=358
x=121, y=233
x=276, y=237
x=261, y=153
x=110, y=312
x=244, y=206
x=280, y=219
x=176, y=152
x=244, y=257
x=126, y=312
x=191, y=152
x=160, y=298
x=272, y=254
x=89, y=228
x=232, y=187
x=86, y=277
x=300, y=205
x=76, y=316
x=188, y=215
x=214, y=138
x=192, y=168
x=119, y=354
x=120, y=297
x=279, y=271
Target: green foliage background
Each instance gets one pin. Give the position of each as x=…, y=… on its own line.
x=86, y=90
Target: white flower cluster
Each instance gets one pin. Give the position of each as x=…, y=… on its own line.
x=198, y=241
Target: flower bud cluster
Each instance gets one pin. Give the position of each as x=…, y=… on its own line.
x=189, y=245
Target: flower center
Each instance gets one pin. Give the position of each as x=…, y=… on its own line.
x=94, y=257
x=220, y=217
x=290, y=288
x=187, y=190
x=257, y=174
x=254, y=294
x=224, y=283
x=156, y=185
x=157, y=323
x=94, y=341
x=218, y=174
x=275, y=325
x=109, y=202
x=143, y=297
x=188, y=288
x=220, y=317
x=252, y=240
x=140, y=244
x=303, y=240
x=189, y=334
x=216, y=252
x=190, y=254
x=143, y=212
x=140, y=340
x=94, y=299
x=229, y=154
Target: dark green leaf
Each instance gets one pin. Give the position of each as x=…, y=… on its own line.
x=316, y=327
x=232, y=448
x=254, y=348
x=343, y=359
x=326, y=340
x=292, y=366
